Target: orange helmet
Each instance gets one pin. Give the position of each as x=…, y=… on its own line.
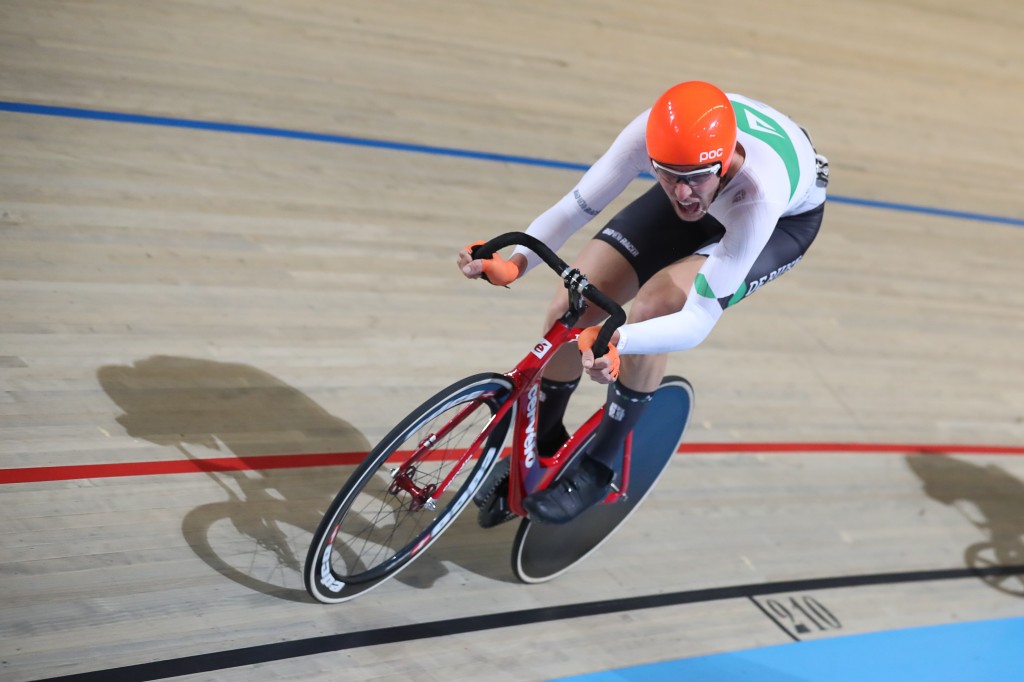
x=692, y=124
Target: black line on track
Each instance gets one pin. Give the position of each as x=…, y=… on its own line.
x=267, y=653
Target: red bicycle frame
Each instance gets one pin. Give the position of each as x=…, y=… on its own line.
x=529, y=471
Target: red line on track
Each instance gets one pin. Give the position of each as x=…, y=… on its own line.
x=264, y=462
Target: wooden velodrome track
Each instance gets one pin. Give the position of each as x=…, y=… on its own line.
x=179, y=300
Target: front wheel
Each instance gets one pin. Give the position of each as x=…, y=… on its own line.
x=389, y=510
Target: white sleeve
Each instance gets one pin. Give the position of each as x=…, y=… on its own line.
x=750, y=224
x=625, y=159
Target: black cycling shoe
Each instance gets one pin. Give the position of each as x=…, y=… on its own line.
x=571, y=495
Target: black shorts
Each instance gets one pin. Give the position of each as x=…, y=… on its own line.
x=650, y=235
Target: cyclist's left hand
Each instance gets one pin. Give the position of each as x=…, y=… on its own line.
x=605, y=369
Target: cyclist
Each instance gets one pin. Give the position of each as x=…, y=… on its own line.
x=739, y=198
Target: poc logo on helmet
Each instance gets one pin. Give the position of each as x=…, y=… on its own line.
x=711, y=155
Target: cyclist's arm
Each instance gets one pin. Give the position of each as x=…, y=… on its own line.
x=625, y=159
x=721, y=275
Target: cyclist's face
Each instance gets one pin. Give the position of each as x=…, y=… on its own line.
x=691, y=188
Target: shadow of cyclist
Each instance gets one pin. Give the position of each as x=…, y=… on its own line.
x=258, y=536
x=990, y=498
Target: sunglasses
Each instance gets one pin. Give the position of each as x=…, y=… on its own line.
x=691, y=178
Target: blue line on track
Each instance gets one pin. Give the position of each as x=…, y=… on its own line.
x=92, y=114
x=196, y=124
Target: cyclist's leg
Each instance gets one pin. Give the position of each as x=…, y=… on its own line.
x=641, y=239
x=588, y=483
x=663, y=294
x=659, y=250
x=612, y=274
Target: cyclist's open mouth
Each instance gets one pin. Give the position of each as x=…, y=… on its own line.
x=691, y=208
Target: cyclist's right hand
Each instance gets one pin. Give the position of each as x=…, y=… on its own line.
x=498, y=271
x=605, y=369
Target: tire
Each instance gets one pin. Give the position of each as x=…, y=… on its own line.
x=373, y=529
x=541, y=552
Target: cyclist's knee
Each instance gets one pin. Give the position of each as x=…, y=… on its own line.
x=656, y=302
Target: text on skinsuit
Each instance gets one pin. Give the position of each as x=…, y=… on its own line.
x=583, y=203
x=618, y=236
x=758, y=283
